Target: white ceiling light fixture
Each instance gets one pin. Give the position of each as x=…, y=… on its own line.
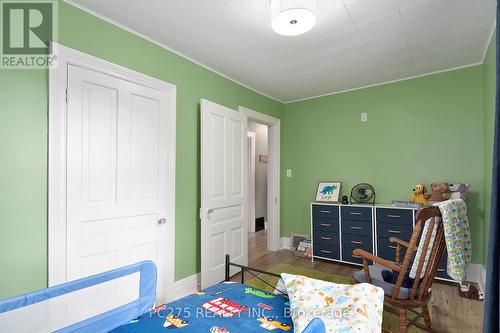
x=293, y=17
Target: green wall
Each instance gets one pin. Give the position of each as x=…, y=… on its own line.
x=23, y=181
x=418, y=131
x=23, y=147
x=489, y=75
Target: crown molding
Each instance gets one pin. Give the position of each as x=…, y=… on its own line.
x=385, y=82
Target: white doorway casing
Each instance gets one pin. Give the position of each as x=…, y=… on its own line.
x=273, y=184
x=59, y=203
x=251, y=181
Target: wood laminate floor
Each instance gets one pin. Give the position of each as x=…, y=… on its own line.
x=450, y=312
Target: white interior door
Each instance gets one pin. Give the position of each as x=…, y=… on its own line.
x=117, y=180
x=223, y=190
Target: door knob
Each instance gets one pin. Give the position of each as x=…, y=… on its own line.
x=162, y=221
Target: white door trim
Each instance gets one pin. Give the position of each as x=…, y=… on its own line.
x=57, y=152
x=273, y=175
x=251, y=181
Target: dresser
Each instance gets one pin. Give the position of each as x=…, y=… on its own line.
x=337, y=230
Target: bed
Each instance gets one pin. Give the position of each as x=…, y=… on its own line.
x=226, y=307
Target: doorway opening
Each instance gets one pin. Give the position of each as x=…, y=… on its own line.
x=257, y=182
x=263, y=181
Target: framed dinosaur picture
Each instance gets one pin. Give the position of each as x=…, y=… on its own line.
x=328, y=191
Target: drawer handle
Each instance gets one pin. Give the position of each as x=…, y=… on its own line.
x=326, y=238
x=358, y=257
x=325, y=224
x=356, y=242
x=440, y=269
x=325, y=211
x=356, y=228
x=394, y=231
x=325, y=251
x=394, y=216
x=356, y=213
x=392, y=247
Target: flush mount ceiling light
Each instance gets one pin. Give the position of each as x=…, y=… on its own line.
x=293, y=17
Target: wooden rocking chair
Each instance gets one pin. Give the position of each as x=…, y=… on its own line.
x=418, y=296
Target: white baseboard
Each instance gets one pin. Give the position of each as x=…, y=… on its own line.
x=186, y=286
x=482, y=281
x=285, y=243
x=477, y=273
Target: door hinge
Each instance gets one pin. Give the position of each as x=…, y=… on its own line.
x=200, y=214
x=67, y=96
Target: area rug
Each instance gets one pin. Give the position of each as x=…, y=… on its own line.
x=390, y=321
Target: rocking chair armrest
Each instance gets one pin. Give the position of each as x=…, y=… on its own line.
x=369, y=256
x=400, y=242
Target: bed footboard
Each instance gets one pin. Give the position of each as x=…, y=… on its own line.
x=315, y=326
x=243, y=270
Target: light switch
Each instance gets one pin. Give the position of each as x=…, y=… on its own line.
x=364, y=117
x=288, y=173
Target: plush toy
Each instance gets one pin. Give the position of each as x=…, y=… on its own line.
x=459, y=191
x=439, y=192
x=470, y=290
x=419, y=195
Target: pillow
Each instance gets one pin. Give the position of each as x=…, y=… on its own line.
x=343, y=308
x=280, y=288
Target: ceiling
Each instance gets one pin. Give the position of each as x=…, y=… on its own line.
x=355, y=43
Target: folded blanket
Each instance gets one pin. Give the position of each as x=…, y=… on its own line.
x=457, y=236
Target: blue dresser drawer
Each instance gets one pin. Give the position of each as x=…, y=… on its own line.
x=326, y=250
x=356, y=227
x=325, y=211
x=349, y=257
x=402, y=231
x=358, y=241
x=441, y=273
x=356, y=213
x=327, y=225
x=444, y=257
x=387, y=250
x=443, y=263
x=392, y=215
x=330, y=238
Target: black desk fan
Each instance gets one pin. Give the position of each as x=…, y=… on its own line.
x=363, y=193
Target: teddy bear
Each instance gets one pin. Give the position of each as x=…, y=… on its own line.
x=459, y=191
x=419, y=195
x=439, y=192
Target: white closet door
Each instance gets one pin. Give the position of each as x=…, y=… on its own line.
x=117, y=154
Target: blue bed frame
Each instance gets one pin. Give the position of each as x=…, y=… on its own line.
x=119, y=316
x=106, y=321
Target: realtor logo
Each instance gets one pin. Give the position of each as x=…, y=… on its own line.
x=28, y=27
